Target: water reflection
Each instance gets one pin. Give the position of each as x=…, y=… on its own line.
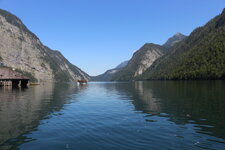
x=137, y=115
x=200, y=103
x=149, y=103
x=22, y=109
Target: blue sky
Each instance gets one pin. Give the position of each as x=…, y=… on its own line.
x=97, y=35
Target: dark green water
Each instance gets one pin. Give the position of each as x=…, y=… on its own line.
x=158, y=115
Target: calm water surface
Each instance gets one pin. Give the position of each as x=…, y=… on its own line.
x=158, y=115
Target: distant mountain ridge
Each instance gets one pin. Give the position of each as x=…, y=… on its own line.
x=122, y=65
x=107, y=76
x=174, y=39
x=21, y=49
x=199, y=56
x=144, y=58
x=141, y=60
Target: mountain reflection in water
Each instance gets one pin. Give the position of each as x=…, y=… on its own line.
x=134, y=115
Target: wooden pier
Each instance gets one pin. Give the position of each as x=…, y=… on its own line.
x=10, y=77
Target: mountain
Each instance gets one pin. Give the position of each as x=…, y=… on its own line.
x=174, y=39
x=201, y=55
x=107, y=76
x=140, y=61
x=122, y=65
x=22, y=50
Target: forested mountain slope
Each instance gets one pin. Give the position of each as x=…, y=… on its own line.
x=199, y=56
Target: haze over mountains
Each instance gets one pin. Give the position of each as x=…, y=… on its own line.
x=22, y=50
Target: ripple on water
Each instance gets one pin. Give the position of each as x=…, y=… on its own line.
x=123, y=116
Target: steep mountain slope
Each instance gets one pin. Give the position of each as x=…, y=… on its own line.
x=22, y=50
x=107, y=76
x=122, y=65
x=199, y=56
x=141, y=60
x=174, y=39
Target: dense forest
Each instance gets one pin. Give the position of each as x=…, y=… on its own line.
x=199, y=56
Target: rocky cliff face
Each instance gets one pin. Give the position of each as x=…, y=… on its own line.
x=22, y=50
x=199, y=56
x=141, y=60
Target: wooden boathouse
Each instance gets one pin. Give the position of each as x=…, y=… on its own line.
x=10, y=77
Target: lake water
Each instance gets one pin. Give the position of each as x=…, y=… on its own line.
x=157, y=115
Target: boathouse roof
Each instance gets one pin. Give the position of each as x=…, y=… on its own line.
x=8, y=73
